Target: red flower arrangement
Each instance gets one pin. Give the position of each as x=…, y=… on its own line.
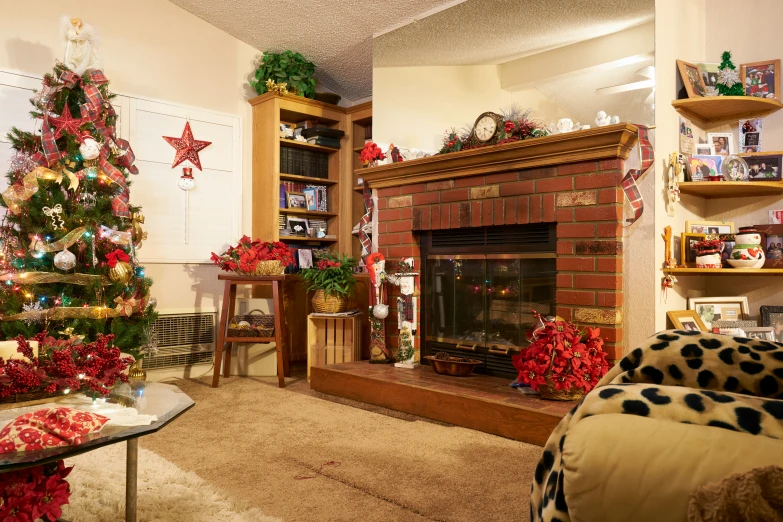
x=370, y=153
x=562, y=357
x=245, y=256
x=63, y=365
x=34, y=493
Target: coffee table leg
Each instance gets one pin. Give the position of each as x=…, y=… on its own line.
x=131, y=469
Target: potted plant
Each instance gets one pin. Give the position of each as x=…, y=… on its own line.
x=562, y=362
x=255, y=257
x=332, y=280
x=286, y=67
x=371, y=154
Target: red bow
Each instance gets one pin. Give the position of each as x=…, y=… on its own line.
x=117, y=255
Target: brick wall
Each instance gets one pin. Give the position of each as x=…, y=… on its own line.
x=584, y=199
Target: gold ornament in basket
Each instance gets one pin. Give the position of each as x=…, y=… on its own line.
x=255, y=324
x=266, y=268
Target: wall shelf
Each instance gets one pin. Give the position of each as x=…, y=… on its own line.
x=731, y=189
x=307, y=179
x=717, y=109
x=725, y=271
x=309, y=239
x=305, y=212
x=359, y=189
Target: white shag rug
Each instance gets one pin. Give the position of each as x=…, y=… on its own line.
x=166, y=493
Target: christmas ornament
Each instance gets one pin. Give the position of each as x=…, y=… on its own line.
x=120, y=271
x=65, y=260
x=89, y=149
x=18, y=263
x=54, y=213
x=66, y=123
x=125, y=306
x=186, y=181
x=729, y=83
x=187, y=147
x=87, y=200
x=137, y=234
x=34, y=311
x=81, y=50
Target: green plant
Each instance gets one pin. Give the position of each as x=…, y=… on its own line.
x=286, y=67
x=333, y=273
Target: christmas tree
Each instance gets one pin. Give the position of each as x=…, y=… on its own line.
x=729, y=83
x=68, y=243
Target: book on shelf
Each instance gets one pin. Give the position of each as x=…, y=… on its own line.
x=368, y=132
x=283, y=193
x=304, y=163
x=324, y=142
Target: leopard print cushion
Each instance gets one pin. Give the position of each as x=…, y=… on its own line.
x=699, y=378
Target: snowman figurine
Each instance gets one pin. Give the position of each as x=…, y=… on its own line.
x=187, y=181
x=89, y=148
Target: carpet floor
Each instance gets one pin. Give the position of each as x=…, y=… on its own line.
x=261, y=445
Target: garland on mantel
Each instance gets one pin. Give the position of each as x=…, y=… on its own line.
x=517, y=126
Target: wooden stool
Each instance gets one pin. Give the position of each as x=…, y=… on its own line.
x=224, y=343
x=333, y=339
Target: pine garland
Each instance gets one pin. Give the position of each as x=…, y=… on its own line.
x=405, y=351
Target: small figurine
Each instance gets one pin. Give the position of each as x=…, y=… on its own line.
x=81, y=50
x=669, y=261
x=602, y=119
x=564, y=125
x=187, y=181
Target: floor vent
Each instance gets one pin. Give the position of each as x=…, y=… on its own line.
x=182, y=339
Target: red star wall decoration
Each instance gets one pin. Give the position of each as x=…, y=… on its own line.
x=187, y=147
x=66, y=123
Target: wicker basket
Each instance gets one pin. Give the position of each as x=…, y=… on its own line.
x=23, y=400
x=548, y=391
x=331, y=304
x=265, y=268
x=258, y=325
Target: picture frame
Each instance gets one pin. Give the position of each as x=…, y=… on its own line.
x=719, y=308
x=703, y=149
x=311, y=198
x=701, y=167
x=709, y=227
x=305, y=256
x=297, y=200
x=687, y=250
x=691, y=79
x=750, y=136
x=773, y=316
x=297, y=225
x=764, y=167
x=761, y=79
x=721, y=143
x=773, y=254
x=709, y=73
x=765, y=333
x=743, y=324
x=728, y=246
x=686, y=320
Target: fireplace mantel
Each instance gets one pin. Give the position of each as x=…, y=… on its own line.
x=610, y=142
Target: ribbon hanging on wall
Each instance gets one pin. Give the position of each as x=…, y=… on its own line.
x=646, y=163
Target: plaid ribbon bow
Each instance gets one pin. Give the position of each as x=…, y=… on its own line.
x=119, y=204
x=631, y=189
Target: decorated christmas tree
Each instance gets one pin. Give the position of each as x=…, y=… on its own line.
x=729, y=83
x=69, y=239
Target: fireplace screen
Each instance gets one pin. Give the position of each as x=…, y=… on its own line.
x=481, y=305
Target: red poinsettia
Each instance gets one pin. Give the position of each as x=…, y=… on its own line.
x=246, y=255
x=34, y=493
x=371, y=152
x=562, y=356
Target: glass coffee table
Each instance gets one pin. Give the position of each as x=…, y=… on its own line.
x=165, y=401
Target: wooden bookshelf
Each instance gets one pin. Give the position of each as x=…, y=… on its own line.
x=305, y=212
x=731, y=189
x=307, y=146
x=713, y=110
x=307, y=179
x=359, y=118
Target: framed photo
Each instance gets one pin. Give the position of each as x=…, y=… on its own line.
x=765, y=333
x=761, y=79
x=750, y=135
x=686, y=320
x=298, y=226
x=709, y=227
x=297, y=200
x=709, y=74
x=687, y=250
x=773, y=316
x=691, y=79
x=728, y=246
x=772, y=241
x=701, y=167
x=305, y=258
x=764, y=167
x=721, y=143
x=711, y=309
x=311, y=198
x=703, y=149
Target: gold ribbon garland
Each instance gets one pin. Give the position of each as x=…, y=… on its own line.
x=70, y=312
x=61, y=244
x=16, y=194
x=36, y=278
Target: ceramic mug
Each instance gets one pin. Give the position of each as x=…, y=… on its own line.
x=753, y=238
x=709, y=261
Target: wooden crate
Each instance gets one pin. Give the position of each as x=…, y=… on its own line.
x=333, y=340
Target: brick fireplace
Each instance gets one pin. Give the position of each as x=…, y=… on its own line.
x=571, y=180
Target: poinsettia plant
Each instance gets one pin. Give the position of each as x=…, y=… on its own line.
x=562, y=356
x=245, y=256
x=371, y=152
x=333, y=273
x=34, y=493
x=63, y=366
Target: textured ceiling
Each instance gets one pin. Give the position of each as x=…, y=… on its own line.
x=481, y=32
x=575, y=93
x=335, y=35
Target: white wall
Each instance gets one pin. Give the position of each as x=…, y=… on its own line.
x=413, y=107
x=153, y=49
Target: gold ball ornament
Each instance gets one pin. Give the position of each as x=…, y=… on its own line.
x=121, y=272
x=137, y=234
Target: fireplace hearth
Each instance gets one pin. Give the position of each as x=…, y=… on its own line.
x=481, y=286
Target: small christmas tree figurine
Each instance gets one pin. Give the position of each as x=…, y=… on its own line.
x=729, y=83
